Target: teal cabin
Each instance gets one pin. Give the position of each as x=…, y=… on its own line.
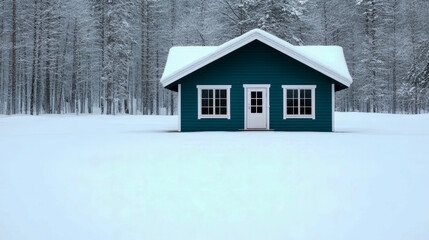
x=256, y=81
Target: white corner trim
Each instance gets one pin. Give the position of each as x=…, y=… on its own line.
x=313, y=101
x=333, y=107
x=228, y=101
x=179, y=106
x=246, y=38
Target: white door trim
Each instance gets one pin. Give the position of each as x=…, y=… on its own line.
x=267, y=87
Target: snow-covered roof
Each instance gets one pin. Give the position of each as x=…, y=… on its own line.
x=328, y=60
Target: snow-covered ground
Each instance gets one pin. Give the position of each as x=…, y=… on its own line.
x=134, y=177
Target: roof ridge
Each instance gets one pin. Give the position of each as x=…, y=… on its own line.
x=296, y=52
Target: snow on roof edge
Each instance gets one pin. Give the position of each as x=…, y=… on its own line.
x=299, y=53
x=182, y=56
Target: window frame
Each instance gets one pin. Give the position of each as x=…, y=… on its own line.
x=313, y=101
x=213, y=88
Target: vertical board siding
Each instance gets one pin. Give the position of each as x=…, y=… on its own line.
x=256, y=63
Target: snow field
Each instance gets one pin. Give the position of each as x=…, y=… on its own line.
x=134, y=177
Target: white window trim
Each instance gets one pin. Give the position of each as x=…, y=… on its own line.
x=228, y=101
x=313, y=101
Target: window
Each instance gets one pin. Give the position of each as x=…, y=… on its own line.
x=299, y=101
x=213, y=101
x=256, y=102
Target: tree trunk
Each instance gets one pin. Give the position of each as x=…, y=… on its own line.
x=325, y=23
x=394, y=88
x=74, y=101
x=103, y=75
x=47, y=102
x=1, y=70
x=25, y=95
x=33, y=70
x=39, y=69
x=147, y=78
x=89, y=85
x=143, y=56
x=60, y=79
x=173, y=29
x=157, y=82
x=12, y=103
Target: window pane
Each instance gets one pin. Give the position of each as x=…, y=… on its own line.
x=210, y=93
x=307, y=102
x=302, y=110
x=289, y=93
x=295, y=110
x=295, y=102
x=205, y=102
x=259, y=102
x=204, y=110
x=259, y=95
x=259, y=109
x=302, y=93
x=223, y=102
x=290, y=111
x=217, y=93
x=253, y=109
x=301, y=101
x=217, y=102
x=253, y=94
x=253, y=102
x=223, y=93
x=204, y=93
x=220, y=111
x=211, y=102
x=289, y=102
x=295, y=93
x=210, y=110
x=308, y=111
x=308, y=93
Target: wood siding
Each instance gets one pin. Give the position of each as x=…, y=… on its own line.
x=255, y=63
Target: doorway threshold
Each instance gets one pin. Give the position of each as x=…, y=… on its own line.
x=256, y=130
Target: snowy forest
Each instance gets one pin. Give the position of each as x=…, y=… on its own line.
x=107, y=56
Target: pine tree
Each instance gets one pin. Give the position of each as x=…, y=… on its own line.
x=371, y=54
x=119, y=38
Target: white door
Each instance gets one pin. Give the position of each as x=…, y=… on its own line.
x=256, y=108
